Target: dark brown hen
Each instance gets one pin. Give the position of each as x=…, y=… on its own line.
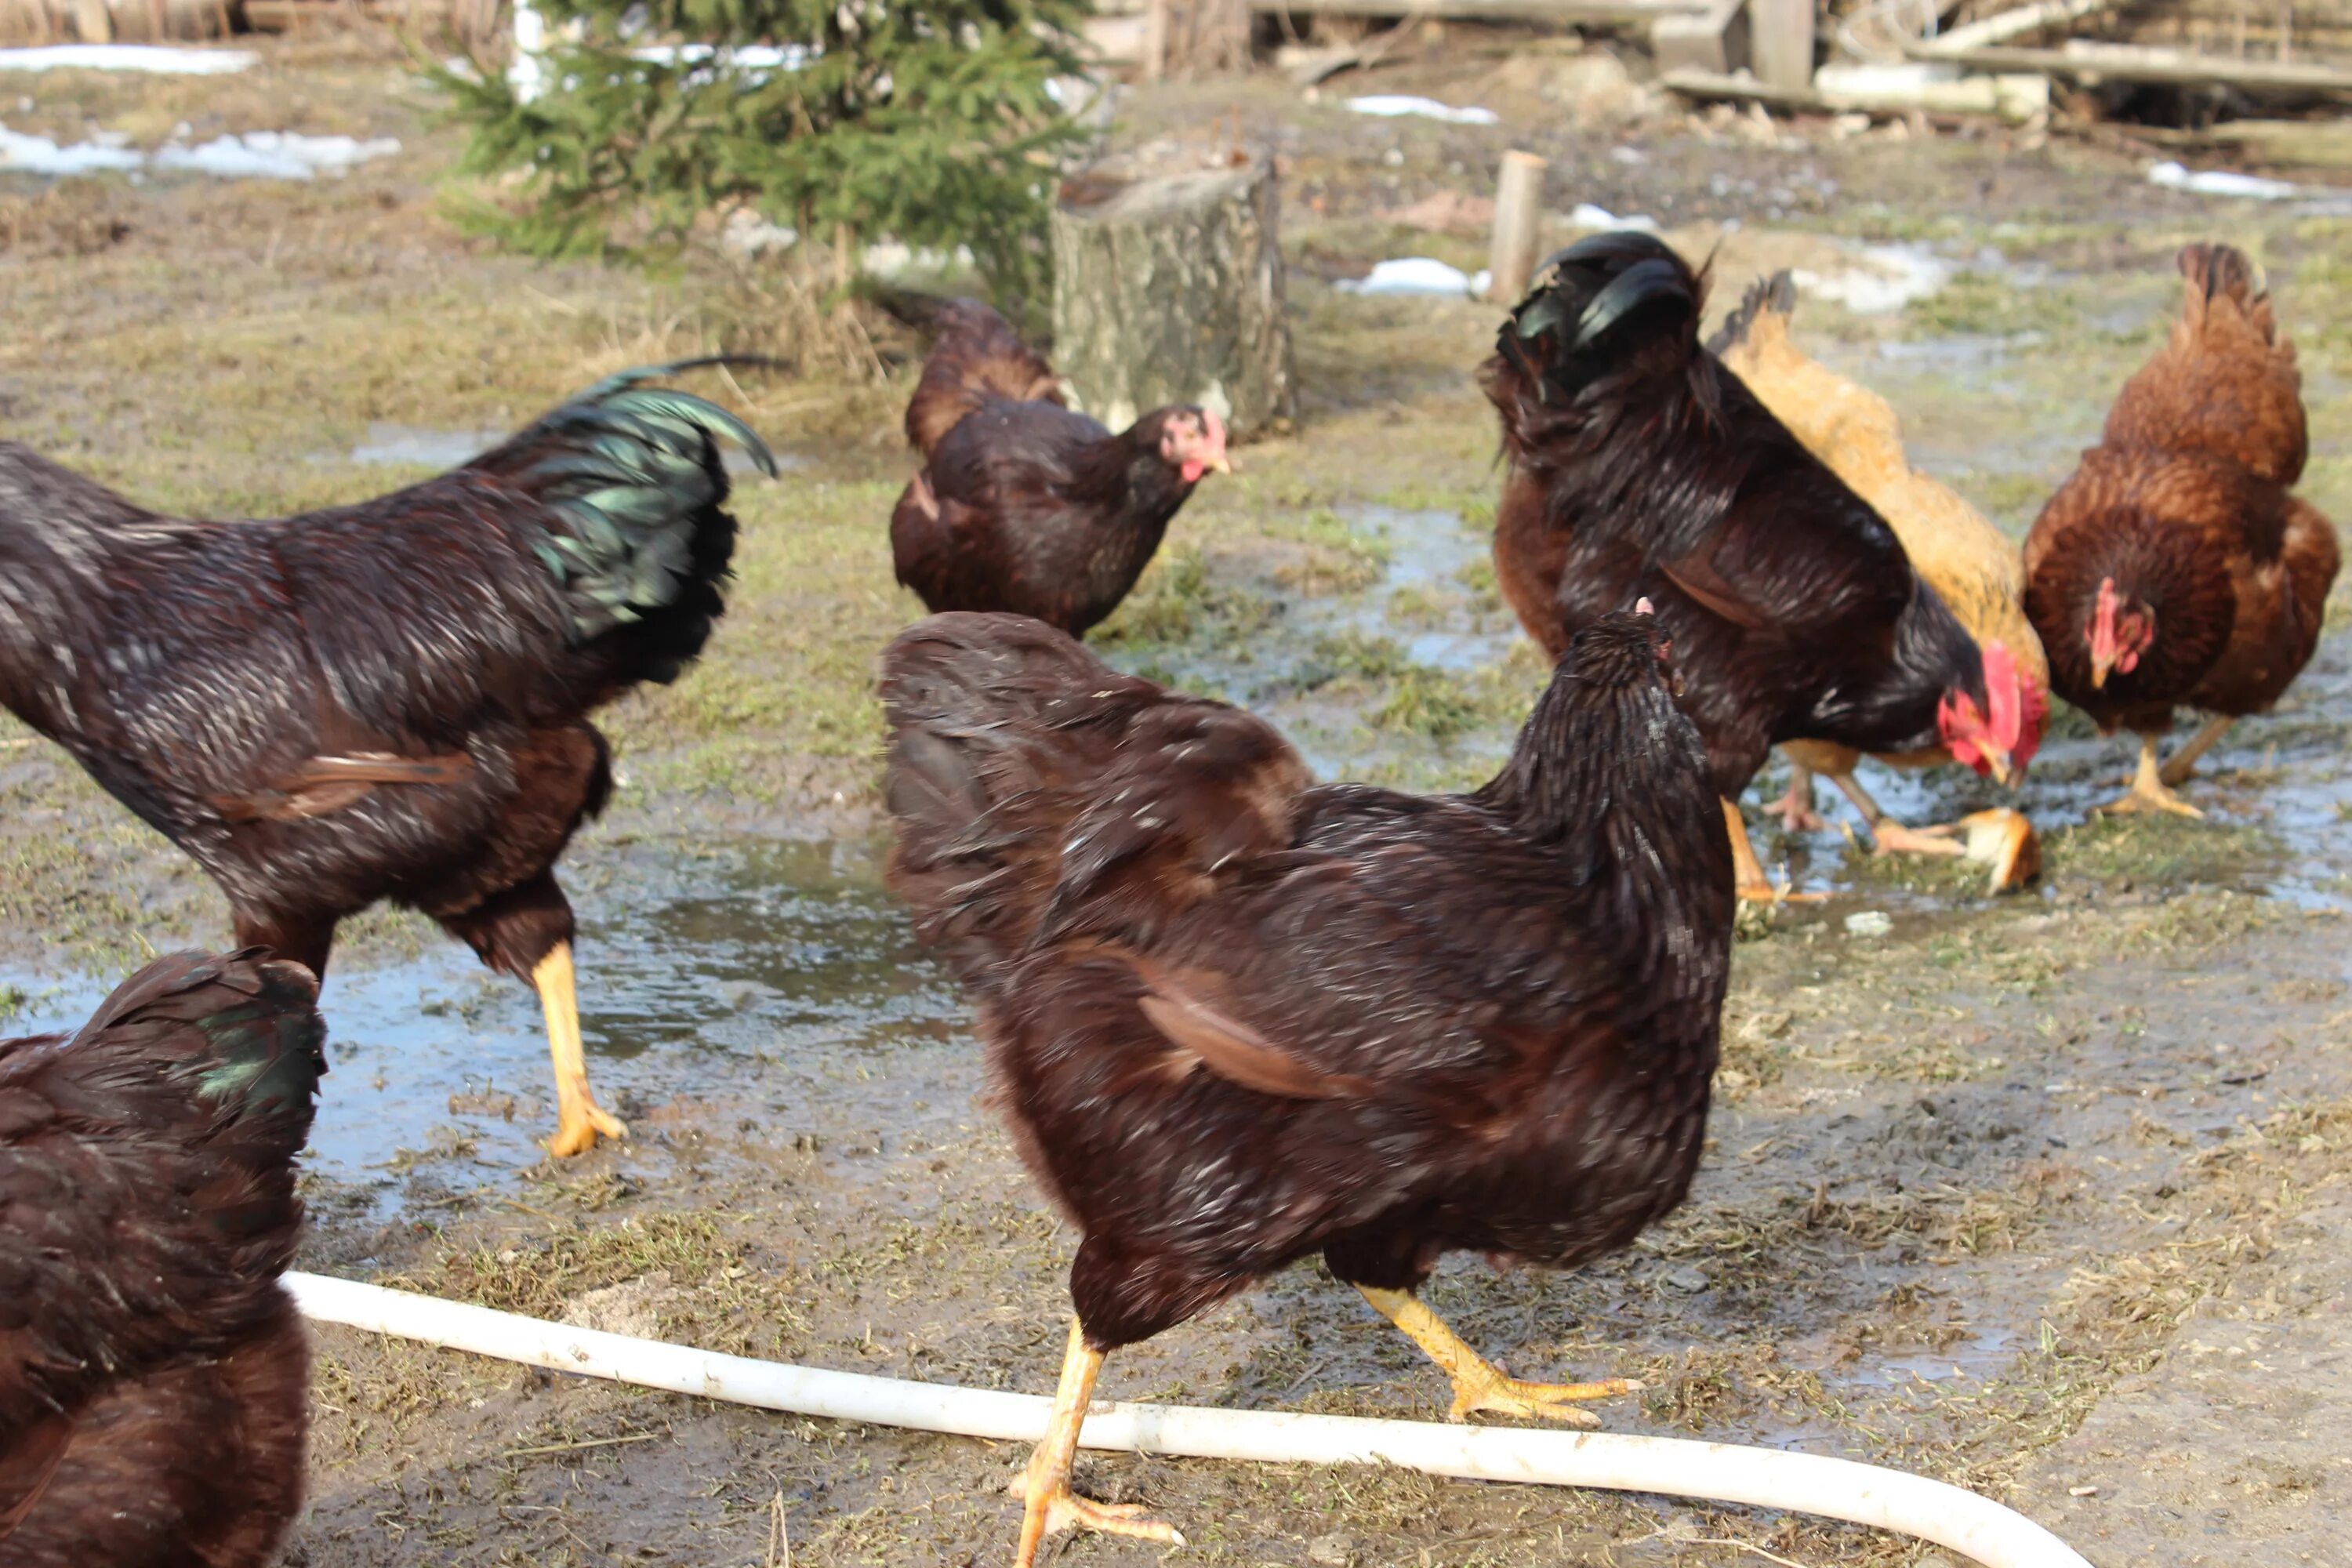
x=1640, y=465
x=154, y=1378
x=2174, y=568
x=385, y=701
x=1238, y=1017
x=1022, y=503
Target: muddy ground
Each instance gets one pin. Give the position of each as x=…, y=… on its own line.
x=2045, y=1195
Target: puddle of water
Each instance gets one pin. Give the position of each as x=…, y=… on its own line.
x=758, y=972
x=418, y=446
x=1426, y=554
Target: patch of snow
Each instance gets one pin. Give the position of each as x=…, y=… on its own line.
x=888, y=259
x=256, y=155
x=151, y=59
x=1587, y=215
x=2220, y=183
x=1416, y=275
x=1893, y=277
x=762, y=57
x=39, y=155
x=1391, y=106
x=273, y=155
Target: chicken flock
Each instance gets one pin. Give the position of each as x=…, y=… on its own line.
x=1236, y=1016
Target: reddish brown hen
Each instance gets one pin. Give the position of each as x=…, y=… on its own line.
x=154, y=1377
x=1639, y=464
x=2175, y=569
x=1024, y=504
x=1237, y=1018
x=387, y=700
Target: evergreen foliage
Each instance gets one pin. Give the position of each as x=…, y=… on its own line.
x=930, y=122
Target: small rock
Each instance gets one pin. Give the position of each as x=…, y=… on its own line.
x=1870, y=922
x=2082, y=1492
x=1690, y=1279
x=1332, y=1550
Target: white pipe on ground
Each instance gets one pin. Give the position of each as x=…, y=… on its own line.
x=1719, y=1472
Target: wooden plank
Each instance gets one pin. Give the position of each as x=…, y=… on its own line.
x=1566, y=12
x=2288, y=144
x=2129, y=62
x=1781, y=42
x=1999, y=98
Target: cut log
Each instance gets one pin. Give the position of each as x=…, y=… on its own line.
x=1168, y=288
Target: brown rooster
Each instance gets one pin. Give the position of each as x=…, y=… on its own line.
x=1237, y=1018
x=1024, y=504
x=385, y=701
x=1953, y=549
x=154, y=1377
x=1639, y=465
x=2174, y=569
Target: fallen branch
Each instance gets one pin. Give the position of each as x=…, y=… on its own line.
x=2008, y=25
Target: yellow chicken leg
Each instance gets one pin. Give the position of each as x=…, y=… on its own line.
x=2148, y=788
x=2183, y=762
x=1479, y=1384
x=578, y=1118
x=1045, y=1487
x=1748, y=872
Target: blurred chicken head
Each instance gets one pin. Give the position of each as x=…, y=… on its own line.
x=2121, y=630
x=2001, y=737
x=1193, y=442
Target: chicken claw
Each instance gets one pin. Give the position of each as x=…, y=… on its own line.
x=1065, y=1510
x=2148, y=792
x=1044, y=1485
x=1479, y=1384
x=1748, y=872
x=1795, y=809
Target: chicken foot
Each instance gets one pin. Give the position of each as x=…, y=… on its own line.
x=1795, y=809
x=1044, y=1487
x=1479, y=1384
x=1748, y=872
x=579, y=1120
x=1888, y=836
x=2148, y=787
x=2183, y=762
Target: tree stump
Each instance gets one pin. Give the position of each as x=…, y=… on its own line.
x=1168, y=288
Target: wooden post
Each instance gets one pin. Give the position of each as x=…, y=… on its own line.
x=1168, y=288
x=93, y=23
x=1519, y=207
x=1781, y=42
x=1157, y=18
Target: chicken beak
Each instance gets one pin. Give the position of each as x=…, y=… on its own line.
x=1221, y=464
x=2100, y=665
x=1997, y=764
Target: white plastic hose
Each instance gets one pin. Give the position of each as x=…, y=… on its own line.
x=1720, y=1472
